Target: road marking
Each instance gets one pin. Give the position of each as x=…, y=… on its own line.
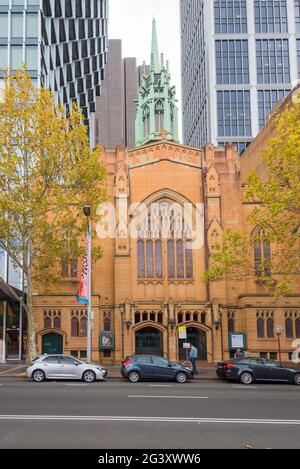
x=168, y=397
x=106, y=418
x=75, y=384
x=159, y=385
x=245, y=387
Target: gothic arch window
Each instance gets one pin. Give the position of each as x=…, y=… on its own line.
x=146, y=120
x=83, y=326
x=57, y=322
x=262, y=253
x=47, y=322
x=297, y=326
x=231, y=326
x=107, y=324
x=159, y=116
x=270, y=328
x=289, y=328
x=260, y=328
x=74, y=326
x=164, y=232
x=203, y=317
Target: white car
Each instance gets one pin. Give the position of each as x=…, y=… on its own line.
x=64, y=367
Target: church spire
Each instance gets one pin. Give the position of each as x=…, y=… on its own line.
x=154, y=49
x=157, y=113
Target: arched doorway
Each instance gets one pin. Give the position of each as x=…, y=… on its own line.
x=196, y=337
x=149, y=341
x=52, y=343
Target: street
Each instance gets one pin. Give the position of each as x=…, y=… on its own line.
x=117, y=414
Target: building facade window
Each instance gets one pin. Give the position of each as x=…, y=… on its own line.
x=289, y=328
x=164, y=233
x=273, y=64
x=230, y=16
x=232, y=62
x=159, y=116
x=47, y=322
x=260, y=328
x=74, y=326
x=262, y=254
x=234, y=114
x=270, y=328
x=297, y=15
x=266, y=101
x=270, y=16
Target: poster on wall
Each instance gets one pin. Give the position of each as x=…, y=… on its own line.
x=182, y=332
x=107, y=340
x=237, y=340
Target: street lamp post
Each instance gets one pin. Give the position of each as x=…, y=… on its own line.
x=278, y=331
x=87, y=213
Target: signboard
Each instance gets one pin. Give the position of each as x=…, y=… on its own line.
x=182, y=332
x=107, y=340
x=186, y=345
x=237, y=340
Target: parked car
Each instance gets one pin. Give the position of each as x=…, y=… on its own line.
x=249, y=370
x=64, y=367
x=154, y=368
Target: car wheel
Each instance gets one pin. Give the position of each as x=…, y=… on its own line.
x=134, y=377
x=181, y=377
x=38, y=376
x=246, y=378
x=297, y=379
x=89, y=376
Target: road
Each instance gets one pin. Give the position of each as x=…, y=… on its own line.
x=117, y=414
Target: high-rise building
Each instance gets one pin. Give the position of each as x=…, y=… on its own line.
x=116, y=107
x=239, y=58
x=157, y=112
x=62, y=43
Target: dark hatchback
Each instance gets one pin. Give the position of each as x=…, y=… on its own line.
x=249, y=370
x=154, y=368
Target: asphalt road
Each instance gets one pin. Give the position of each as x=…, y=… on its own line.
x=117, y=414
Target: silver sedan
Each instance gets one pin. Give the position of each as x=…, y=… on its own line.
x=64, y=367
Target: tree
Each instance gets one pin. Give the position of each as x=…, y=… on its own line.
x=276, y=216
x=47, y=173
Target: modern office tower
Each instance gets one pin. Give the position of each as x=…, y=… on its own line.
x=157, y=113
x=63, y=44
x=116, y=107
x=238, y=59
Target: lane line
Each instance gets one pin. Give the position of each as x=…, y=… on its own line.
x=159, y=385
x=166, y=397
x=99, y=418
x=76, y=385
x=245, y=387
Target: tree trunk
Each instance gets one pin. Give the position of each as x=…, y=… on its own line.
x=31, y=334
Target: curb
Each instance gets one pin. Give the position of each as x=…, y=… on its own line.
x=23, y=377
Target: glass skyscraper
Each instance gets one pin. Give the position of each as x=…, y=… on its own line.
x=239, y=58
x=63, y=44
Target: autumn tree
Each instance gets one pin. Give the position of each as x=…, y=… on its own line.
x=47, y=173
x=275, y=219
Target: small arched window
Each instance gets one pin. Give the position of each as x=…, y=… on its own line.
x=231, y=327
x=57, y=322
x=289, y=328
x=270, y=328
x=47, y=322
x=297, y=325
x=74, y=326
x=159, y=116
x=83, y=326
x=260, y=328
x=107, y=324
x=262, y=254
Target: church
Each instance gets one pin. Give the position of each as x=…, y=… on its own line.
x=168, y=207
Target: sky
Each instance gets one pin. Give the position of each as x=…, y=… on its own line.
x=131, y=21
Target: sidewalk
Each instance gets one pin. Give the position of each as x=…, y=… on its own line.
x=18, y=371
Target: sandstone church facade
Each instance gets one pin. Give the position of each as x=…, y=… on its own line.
x=149, y=284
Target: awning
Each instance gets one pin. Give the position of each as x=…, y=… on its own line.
x=6, y=295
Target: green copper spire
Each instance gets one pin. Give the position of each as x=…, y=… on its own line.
x=154, y=49
x=157, y=113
